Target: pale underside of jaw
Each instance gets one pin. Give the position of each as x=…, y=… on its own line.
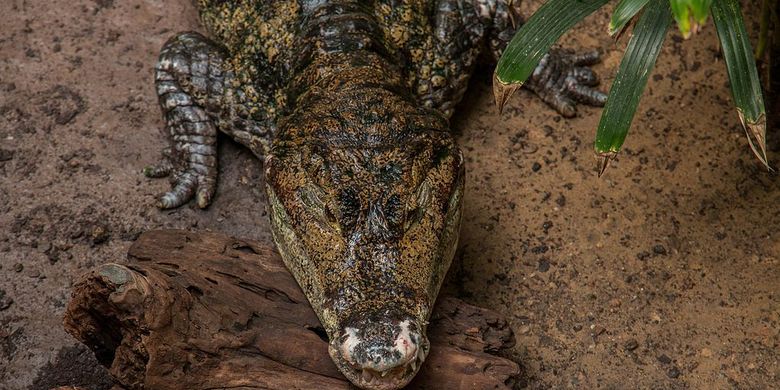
x=394, y=378
x=391, y=378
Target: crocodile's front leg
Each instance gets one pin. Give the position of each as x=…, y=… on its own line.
x=562, y=78
x=197, y=98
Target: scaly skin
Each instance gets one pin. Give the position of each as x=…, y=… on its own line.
x=348, y=103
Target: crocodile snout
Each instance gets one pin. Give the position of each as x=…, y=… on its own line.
x=380, y=354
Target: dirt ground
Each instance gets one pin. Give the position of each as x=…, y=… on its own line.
x=663, y=274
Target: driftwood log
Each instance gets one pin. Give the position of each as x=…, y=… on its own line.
x=206, y=311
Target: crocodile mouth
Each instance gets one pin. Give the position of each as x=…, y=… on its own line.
x=380, y=363
x=394, y=378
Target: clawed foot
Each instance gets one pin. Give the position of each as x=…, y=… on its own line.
x=564, y=78
x=193, y=173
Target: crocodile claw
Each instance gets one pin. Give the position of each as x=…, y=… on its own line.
x=564, y=78
x=194, y=177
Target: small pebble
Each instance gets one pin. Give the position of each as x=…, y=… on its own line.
x=664, y=359
x=5, y=301
x=536, y=167
x=544, y=265
x=530, y=149
x=524, y=329
x=561, y=200
x=659, y=249
x=596, y=330
x=673, y=372
x=18, y=267
x=99, y=235
x=631, y=345
x=6, y=155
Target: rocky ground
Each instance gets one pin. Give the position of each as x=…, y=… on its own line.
x=662, y=274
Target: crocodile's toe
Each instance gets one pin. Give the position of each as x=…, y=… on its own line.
x=162, y=169
x=563, y=78
x=194, y=176
x=187, y=185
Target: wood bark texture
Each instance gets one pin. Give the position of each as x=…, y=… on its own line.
x=206, y=311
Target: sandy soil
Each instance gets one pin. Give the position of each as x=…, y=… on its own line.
x=662, y=274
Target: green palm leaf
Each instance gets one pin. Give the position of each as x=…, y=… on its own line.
x=631, y=78
x=743, y=75
x=623, y=13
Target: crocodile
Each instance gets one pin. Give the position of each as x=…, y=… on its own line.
x=347, y=104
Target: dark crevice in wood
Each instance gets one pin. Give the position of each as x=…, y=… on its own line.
x=319, y=331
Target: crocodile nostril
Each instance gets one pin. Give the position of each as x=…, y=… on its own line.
x=382, y=347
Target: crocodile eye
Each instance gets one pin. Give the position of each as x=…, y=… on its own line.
x=312, y=199
x=422, y=200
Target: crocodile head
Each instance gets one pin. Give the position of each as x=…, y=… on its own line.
x=369, y=230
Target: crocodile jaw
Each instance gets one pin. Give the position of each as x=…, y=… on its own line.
x=381, y=364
